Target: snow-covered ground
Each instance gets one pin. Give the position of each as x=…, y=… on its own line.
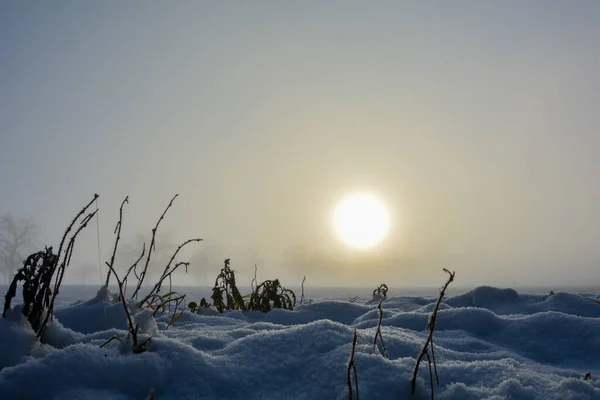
x=490, y=344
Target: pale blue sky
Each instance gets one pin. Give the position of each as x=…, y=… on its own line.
x=476, y=122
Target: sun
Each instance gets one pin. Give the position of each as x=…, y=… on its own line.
x=361, y=221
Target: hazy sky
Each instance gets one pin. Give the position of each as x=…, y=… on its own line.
x=475, y=122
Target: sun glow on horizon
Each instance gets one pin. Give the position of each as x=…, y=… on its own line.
x=361, y=221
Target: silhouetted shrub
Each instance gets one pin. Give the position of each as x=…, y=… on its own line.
x=226, y=295
x=37, y=273
x=269, y=295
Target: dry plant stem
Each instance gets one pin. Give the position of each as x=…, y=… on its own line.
x=83, y=210
x=352, y=365
x=431, y=328
x=430, y=376
x=176, y=316
x=163, y=302
x=152, y=248
x=69, y=251
x=118, y=233
x=302, y=297
x=171, y=287
x=437, y=378
x=168, y=271
x=378, y=332
x=132, y=268
x=254, y=281
x=66, y=260
x=132, y=328
x=179, y=248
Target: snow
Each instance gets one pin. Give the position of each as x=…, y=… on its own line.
x=491, y=343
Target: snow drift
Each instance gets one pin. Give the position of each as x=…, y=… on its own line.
x=490, y=344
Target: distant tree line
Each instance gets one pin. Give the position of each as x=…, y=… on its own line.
x=17, y=237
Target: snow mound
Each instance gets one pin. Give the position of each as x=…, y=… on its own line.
x=485, y=297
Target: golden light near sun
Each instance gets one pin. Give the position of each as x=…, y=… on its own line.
x=361, y=221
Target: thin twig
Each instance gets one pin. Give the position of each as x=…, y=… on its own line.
x=132, y=268
x=65, y=262
x=378, y=332
x=430, y=376
x=176, y=316
x=162, y=302
x=118, y=233
x=167, y=271
x=253, y=284
x=152, y=248
x=302, y=297
x=352, y=365
x=83, y=210
x=437, y=378
x=431, y=327
x=133, y=329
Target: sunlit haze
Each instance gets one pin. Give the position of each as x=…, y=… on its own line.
x=475, y=124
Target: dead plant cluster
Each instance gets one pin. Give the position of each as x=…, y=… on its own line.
x=226, y=295
x=270, y=294
x=265, y=296
x=154, y=300
x=38, y=272
x=42, y=275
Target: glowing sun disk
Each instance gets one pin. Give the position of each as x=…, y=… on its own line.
x=361, y=221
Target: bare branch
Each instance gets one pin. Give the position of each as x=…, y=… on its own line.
x=302, y=297
x=83, y=210
x=132, y=268
x=352, y=365
x=65, y=263
x=378, y=332
x=118, y=232
x=430, y=376
x=133, y=329
x=429, y=342
x=168, y=271
x=254, y=282
x=152, y=248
